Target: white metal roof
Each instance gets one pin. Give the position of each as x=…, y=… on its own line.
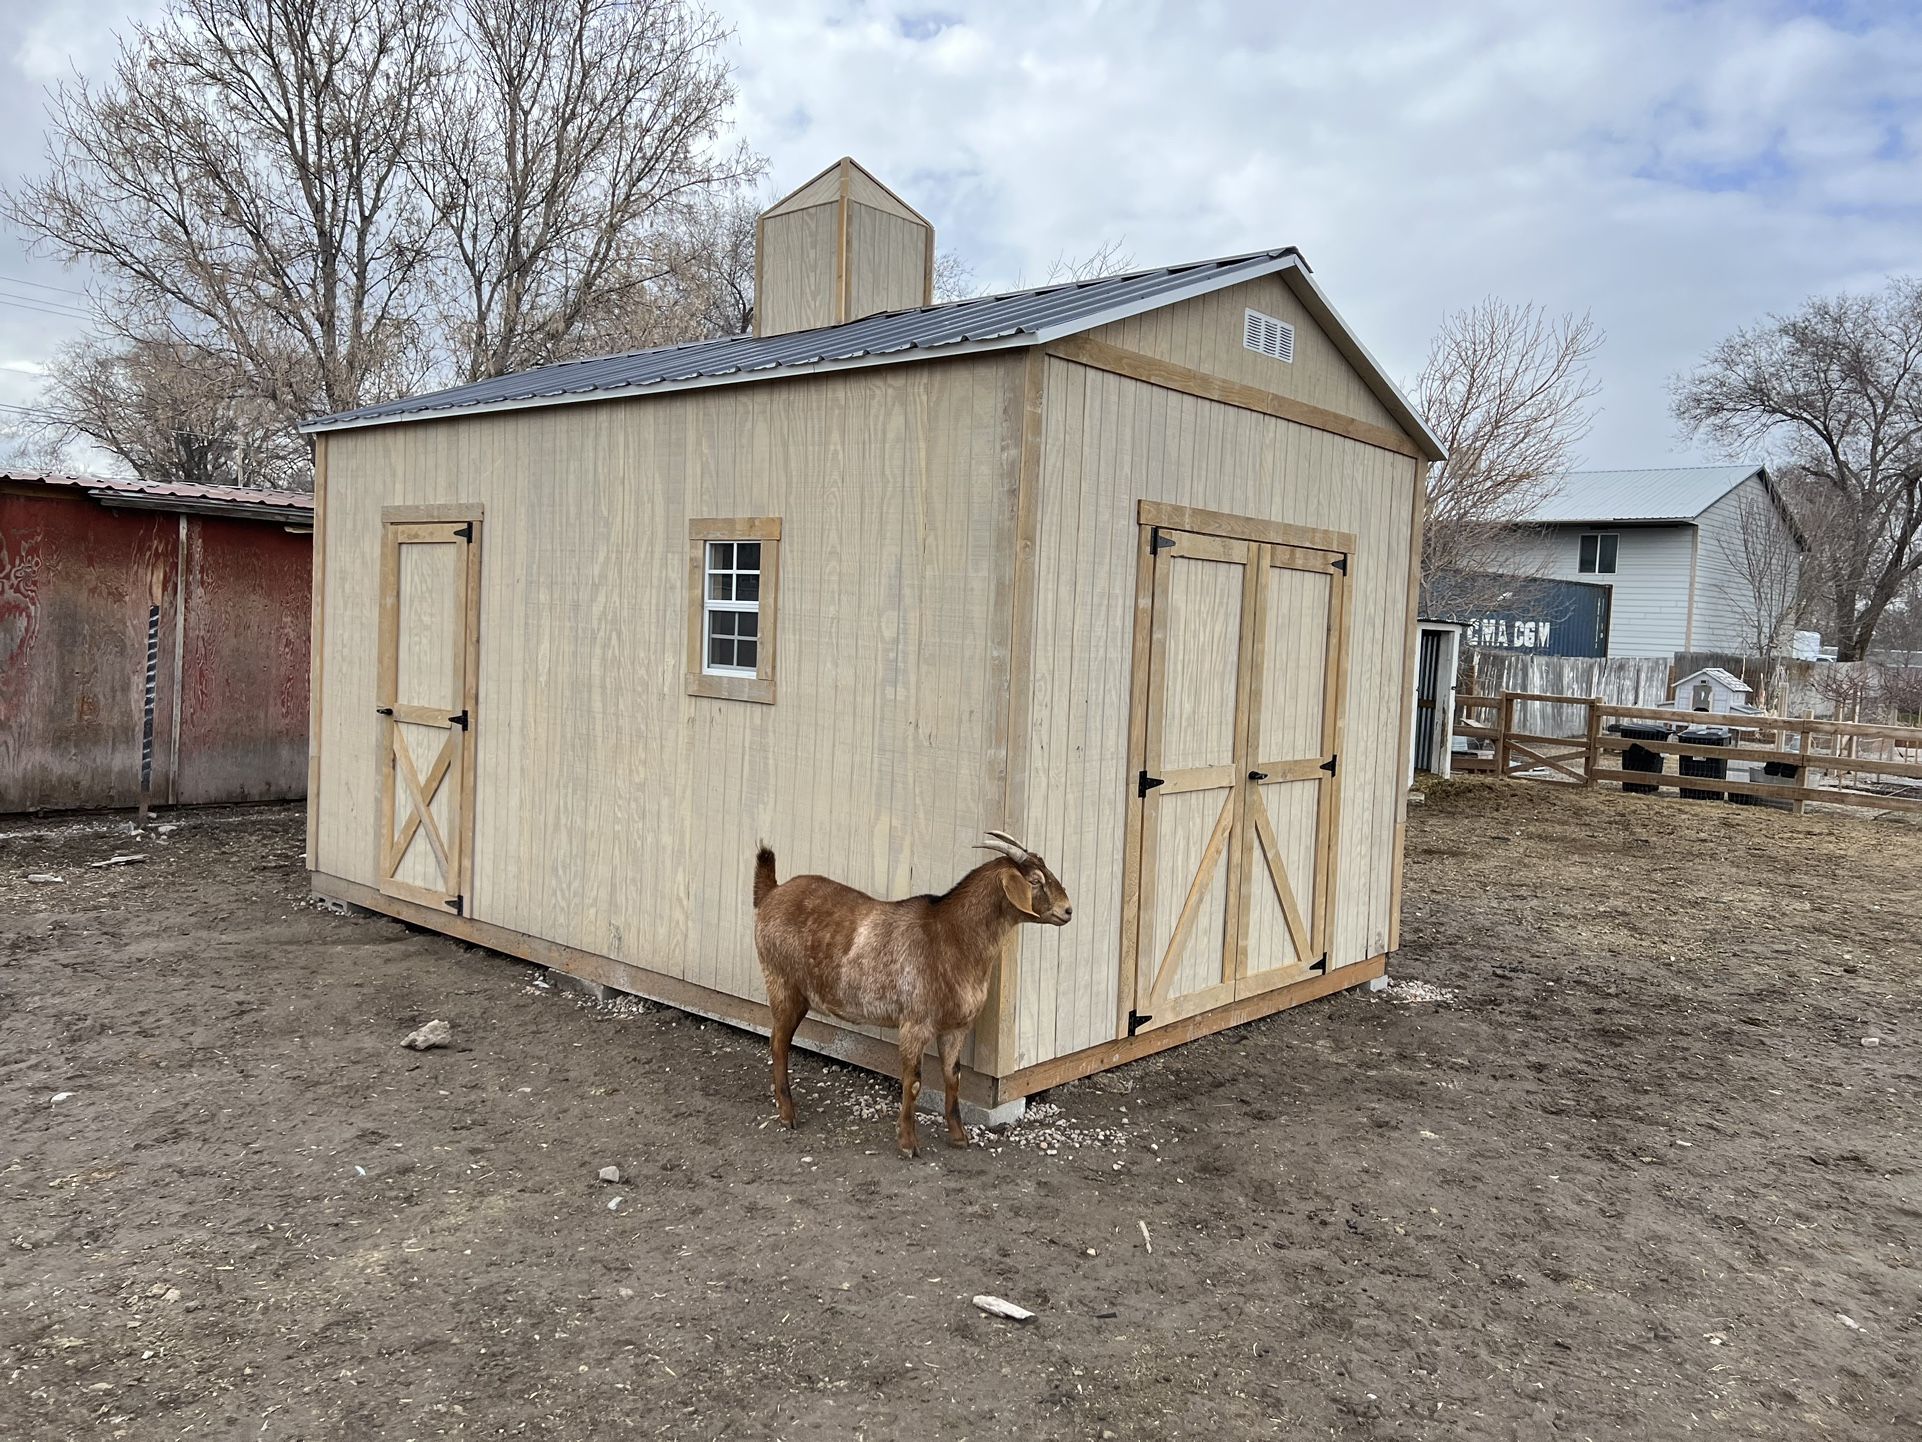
x=1670, y=493
x=983, y=323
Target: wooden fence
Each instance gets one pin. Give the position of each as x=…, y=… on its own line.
x=1789, y=761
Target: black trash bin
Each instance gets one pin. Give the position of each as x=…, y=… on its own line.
x=1640, y=758
x=1711, y=767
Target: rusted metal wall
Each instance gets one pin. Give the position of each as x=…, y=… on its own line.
x=76, y=582
x=243, y=712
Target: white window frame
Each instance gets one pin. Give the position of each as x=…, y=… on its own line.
x=710, y=607
x=1600, y=536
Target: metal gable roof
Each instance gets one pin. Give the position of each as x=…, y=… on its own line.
x=1675, y=493
x=1019, y=318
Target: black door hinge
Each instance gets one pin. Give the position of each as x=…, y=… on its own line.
x=1136, y=1021
x=1144, y=783
x=457, y=905
x=1321, y=965
x=383, y=710
x=465, y=532
x=1330, y=764
x=1257, y=775
x=1158, y=541
x=460, y=720
x=1340, y=564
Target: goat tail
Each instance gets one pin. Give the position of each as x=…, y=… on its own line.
x=764, y=880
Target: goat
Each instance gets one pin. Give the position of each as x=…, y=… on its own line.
x=921, y=965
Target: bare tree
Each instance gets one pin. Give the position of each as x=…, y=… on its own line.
x=1108, y=258
x=563, y=159
x=1762, y=554
x=325, y=203
x=1507, y=389
x=1839, y=385
x=168, y=412
x=954, y=278
x=239, y=183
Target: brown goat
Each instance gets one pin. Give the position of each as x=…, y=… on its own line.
x=921, y=965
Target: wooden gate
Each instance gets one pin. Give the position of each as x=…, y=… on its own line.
x=1240, y=675
x=429, y=653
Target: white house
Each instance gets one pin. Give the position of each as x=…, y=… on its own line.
x=1667, y=541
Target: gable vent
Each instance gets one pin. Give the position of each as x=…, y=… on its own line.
x=1267, y=336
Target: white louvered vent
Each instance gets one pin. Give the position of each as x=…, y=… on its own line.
x=1267, y=336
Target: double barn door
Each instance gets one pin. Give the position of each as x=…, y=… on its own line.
x=425, y=698
x=1237, y=747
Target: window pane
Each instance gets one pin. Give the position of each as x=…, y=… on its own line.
x=1607, y=555
x=744, y=654
x=720, y=652
x=747, y=586
x=720, y=555
x=720, y=586
x=1588, y=552
x=747, y=623
x=720, y=623
x=747, y=556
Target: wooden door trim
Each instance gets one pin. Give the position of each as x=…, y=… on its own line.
x=453, y=764
x=1241, y=528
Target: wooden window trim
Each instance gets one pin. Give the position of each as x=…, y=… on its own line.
x=700, y=682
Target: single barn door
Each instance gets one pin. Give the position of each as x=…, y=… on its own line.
x=1241, y=650
x=1297, y=687
x=429, y=646
x=1188, y=785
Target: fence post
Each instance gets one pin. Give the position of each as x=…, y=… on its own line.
x=1806, y=776
x=1592, y=757
x=1504, y=723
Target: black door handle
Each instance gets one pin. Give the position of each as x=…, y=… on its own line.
x=383, y=710
x=1257, y=775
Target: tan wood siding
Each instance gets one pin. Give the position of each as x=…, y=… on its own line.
x=1206, y=335
x=1107, y=442
x=887, y=262
x=823, y=189
x=864, y=189
x=799, y=270
x=613, y=812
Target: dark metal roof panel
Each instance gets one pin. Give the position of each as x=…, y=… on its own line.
x=899, y=334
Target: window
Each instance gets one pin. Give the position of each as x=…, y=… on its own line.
x=1265, y=335
x=1598, y=556
x=733, y=575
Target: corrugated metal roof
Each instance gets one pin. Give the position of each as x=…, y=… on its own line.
x=1672, y=493
x=1019, y=318
x=106, y=488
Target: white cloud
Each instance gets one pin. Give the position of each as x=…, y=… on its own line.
x=1679, y=171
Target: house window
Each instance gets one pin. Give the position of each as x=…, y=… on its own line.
x=733, y=578
x=1598, y=555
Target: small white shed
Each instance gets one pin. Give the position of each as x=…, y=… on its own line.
x=1713, y=690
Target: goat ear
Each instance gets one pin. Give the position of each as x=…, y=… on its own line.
x=1019, y=893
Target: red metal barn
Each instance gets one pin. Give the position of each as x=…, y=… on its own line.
x=156, y=628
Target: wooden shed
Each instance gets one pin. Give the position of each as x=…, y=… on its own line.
x=1124, y=567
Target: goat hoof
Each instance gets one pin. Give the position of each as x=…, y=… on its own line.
x=958, y=1139
x=908, y=1153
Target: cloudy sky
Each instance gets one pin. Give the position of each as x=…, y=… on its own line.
x=1676, y=169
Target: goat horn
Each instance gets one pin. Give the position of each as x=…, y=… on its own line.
x=1003, y=836
x=1001, y=848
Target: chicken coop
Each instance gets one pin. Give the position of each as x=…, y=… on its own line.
x=1125, y=567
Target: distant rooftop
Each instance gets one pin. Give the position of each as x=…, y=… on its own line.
x=296, y=507
x=1670, y=493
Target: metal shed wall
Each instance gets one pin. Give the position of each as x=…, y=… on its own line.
x=76, y=582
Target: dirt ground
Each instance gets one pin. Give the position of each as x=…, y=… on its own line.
x=1640, y=1175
